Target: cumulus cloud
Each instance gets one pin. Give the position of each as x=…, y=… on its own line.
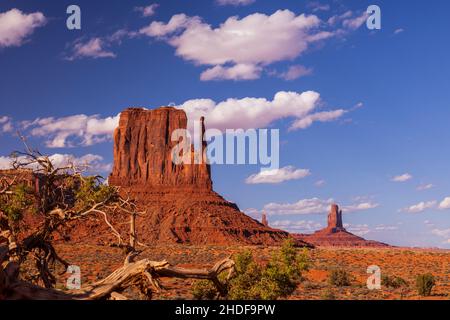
x=16, y=27
x=240, y=71
x=445, y=204
x=235, y=2
x=148, y=11
x=245, y=113
x=257, y=39
x=275, y=176
x=93, y=162
x=419, y=207
x=6, y=124
x=312, y=206
x=74, y=130
x=94, y=48
x=249, y=112
x=402, y=178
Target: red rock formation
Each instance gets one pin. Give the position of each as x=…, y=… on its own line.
x=335, y=235
x=143, y=152
x=264, y=220
x=335, y=219
x=179, y=201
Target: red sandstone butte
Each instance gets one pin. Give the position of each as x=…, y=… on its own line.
x=179, y=201
x=335, y=235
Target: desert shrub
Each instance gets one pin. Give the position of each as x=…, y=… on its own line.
x=93, y=190
x=204, y=290
x=277, y=279
x=339, y=278
x=393, y=282
x=328, y=295
x=20, y=199
x=425, y=283
x=254, y=281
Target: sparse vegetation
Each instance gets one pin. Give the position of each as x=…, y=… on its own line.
x=339, y=278
x=425, y=284
x=393, y=282
x=254, y=281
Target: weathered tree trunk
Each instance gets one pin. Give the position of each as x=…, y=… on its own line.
x=144, y=274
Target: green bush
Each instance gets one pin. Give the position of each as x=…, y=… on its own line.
x=339, y=278
x=19, y=201
x=393, y=282
x=425, y=284
x=204, y=290
x=254, y=281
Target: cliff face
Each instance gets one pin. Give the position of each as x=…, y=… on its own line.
x=143, y=153
x=179, y=202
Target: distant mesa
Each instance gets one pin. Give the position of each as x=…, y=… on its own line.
x=335, y=235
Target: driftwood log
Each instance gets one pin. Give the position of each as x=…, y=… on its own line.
x=143, y=274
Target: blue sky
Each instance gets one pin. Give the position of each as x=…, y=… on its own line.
x=392, y=85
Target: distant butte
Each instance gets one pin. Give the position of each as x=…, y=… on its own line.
x=335, y=235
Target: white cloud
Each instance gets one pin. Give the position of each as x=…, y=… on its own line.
x=425, y=186
x=239, y=71
x=402, y=178
x=302, y=226
x=399, y=30
x=304, y=206
x=419, y=207
x=312, y=206
x=16, y=26
x=358, y=229
x=317, y=6
x=6, y=124
x=74, y=130
x=382, y=227
x=355, y=22
x=294, y=72
x=444, y=233
x=278, y=175
x=235, y=2
x=148, y=11
x=445, y=204
x=248, y=112
x=92, y=161
x=94, y=48
x=256, y=39
x=320, y=183
x=360, y=206
x=325, y=116
x=232, y=113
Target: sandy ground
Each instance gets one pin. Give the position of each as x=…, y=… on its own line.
x=96, y=262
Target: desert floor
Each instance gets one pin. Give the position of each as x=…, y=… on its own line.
x=96, y=262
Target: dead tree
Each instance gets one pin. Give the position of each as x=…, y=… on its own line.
x=66, y=195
